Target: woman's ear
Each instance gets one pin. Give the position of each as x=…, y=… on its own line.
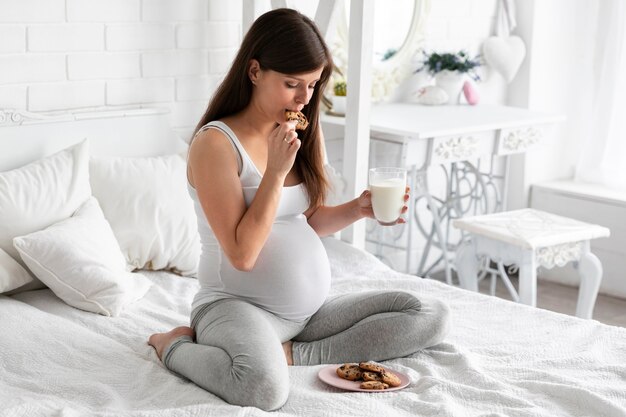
x=254, y=70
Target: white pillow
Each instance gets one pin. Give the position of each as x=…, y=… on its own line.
x=41, y=193
x=12, y=274
x=81, y=262
x=150, y=211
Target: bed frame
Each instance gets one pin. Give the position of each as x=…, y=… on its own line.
x=26, y=137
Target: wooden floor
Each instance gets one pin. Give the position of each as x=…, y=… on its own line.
x=562, y=299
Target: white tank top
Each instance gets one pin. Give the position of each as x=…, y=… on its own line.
x=291, y=277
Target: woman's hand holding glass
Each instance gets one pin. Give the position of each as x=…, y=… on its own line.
x=366, y=210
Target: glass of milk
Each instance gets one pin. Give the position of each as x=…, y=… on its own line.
x=388, y=186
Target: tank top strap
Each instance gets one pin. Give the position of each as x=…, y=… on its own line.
x=234, y=142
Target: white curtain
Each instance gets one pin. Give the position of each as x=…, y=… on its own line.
x=602, y=158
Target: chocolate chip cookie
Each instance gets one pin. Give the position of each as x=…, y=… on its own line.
x=390, y=378
x=373, y=385
x=372, y=376
x=371, y=366
x=350, y=371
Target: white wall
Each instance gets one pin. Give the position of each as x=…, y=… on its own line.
x=559, y=35
x=73, y=54
x=559, y=78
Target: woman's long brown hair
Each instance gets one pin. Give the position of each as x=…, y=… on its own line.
x=285, y=41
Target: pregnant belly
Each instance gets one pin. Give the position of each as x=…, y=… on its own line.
x=291, y=277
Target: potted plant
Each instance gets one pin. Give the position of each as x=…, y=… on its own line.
x=340, y=89
x=450, y=70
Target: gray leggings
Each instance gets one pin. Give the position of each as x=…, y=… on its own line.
x=238, y=354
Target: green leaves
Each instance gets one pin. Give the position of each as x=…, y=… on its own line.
x=435, y=62
x=340, y=88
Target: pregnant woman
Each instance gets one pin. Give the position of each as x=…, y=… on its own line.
x=258, y=185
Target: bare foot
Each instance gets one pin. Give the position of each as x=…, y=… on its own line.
x=288, y=352
x=159, y=341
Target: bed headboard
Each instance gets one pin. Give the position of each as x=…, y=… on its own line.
x=26, y=137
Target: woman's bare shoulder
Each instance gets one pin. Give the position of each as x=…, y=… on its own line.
x=211, y=150
x=209, y=139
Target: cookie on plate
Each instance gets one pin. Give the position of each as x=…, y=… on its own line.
x=390, y=378
x=374, y=385
x=349, y=371
x=371, y=366
x=372, y=376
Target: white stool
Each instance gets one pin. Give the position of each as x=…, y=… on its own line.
x=531, y=238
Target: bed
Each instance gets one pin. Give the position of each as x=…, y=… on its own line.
x=499, y=359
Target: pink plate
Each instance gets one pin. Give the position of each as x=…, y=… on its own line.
x=328, y=374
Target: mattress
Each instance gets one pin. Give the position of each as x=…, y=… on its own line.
x=499, y=359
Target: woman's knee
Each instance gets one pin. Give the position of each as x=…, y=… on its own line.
x=271, y=394
x=260, y=378
x=264, y=388
x=397, y=301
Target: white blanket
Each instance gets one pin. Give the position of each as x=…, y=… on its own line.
x=500, y=358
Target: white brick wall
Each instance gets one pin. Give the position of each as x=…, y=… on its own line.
x=103, y=10
x=66, y=37
x=221, y=59
x=26, y=68
x=459, y=24
x=67, y=95
x=195, y=88
x=30, y=11
x=68, y=54
x=212, y=35
x=140, y=90
x=168, y=10
x=175, y=62
x=102, y=65
x=130, y=37
x=12, y=38
x=13, y=96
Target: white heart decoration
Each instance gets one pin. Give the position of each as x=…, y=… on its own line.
x=504, y=54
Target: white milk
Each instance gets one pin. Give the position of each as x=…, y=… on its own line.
x=388, y=199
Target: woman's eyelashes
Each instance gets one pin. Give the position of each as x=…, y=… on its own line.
x=290, y=85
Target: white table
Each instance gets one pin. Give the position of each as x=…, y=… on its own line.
x=453, y=136
x=531, y=238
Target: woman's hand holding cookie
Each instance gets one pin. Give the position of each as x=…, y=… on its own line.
x=283, y=144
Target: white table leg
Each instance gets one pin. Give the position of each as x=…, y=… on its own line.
x=467, y=266
x=528, y=279
x=590, y=271
x=415, y=190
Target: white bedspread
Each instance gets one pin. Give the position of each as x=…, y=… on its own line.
x=500, y=359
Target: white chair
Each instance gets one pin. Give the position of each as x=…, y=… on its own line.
x=531, y=238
